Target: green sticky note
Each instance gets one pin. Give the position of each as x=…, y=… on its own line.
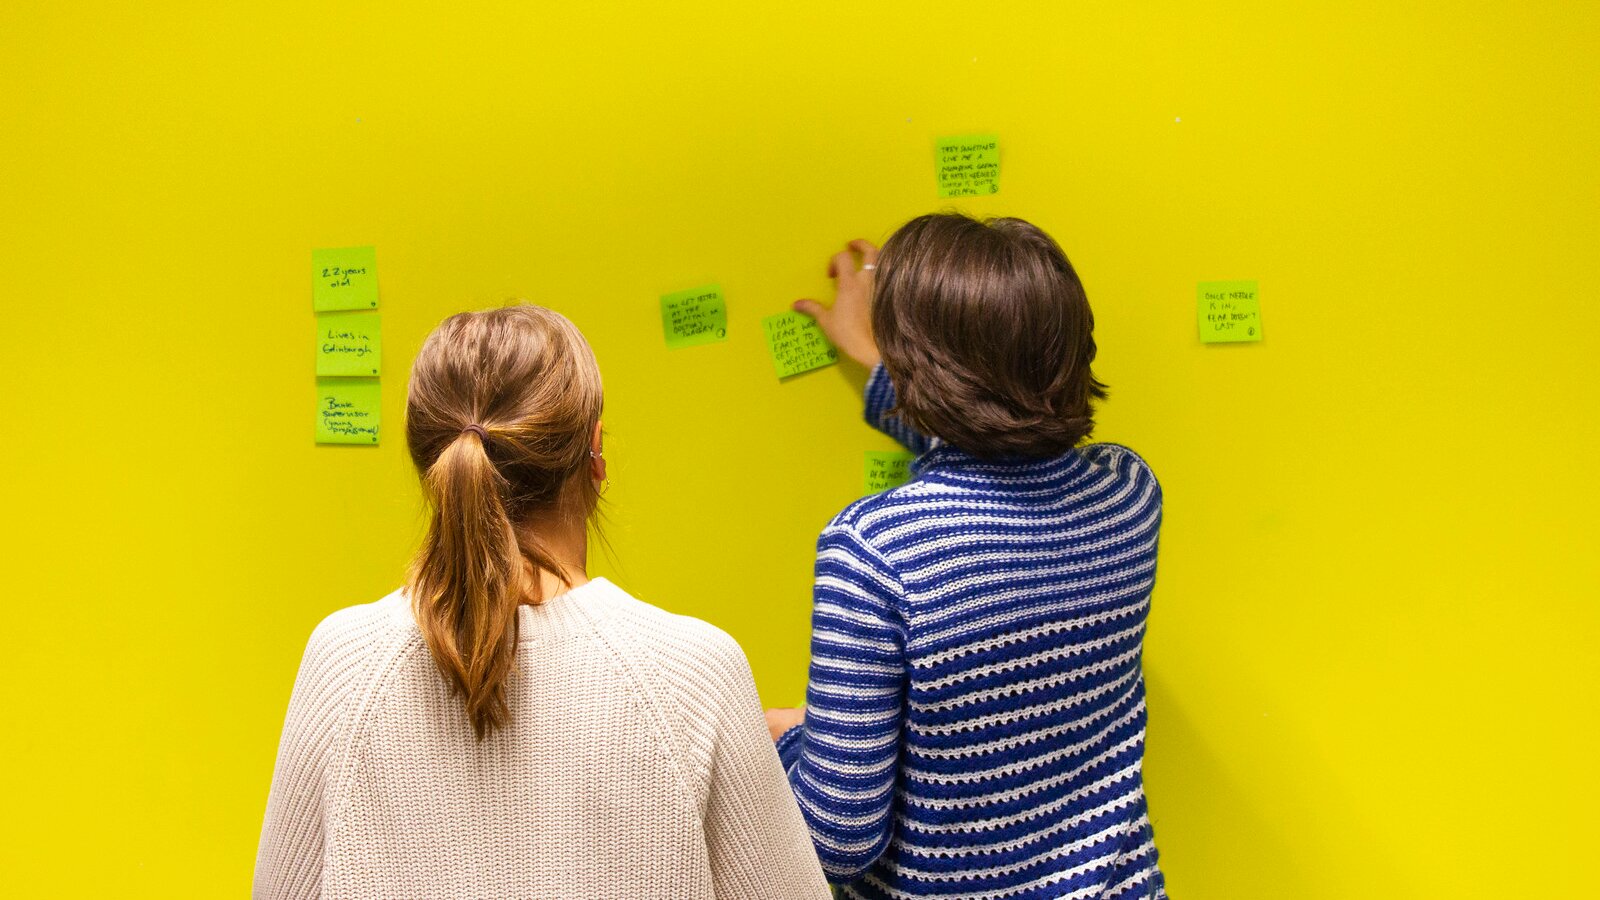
x=1229, y=311
x=797, y=344
x=344, y=278
x=694, y=317
x=888, y=469
x=349, y=343
x=348, y=410
x=968, y=165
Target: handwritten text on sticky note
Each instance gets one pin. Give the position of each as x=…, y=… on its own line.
x=1229, y=311
x=694, y=317
x=349, y=343
x=887, y=469
x=348, y=410
x=968, y=166
x=797, y=344
x=344, y=278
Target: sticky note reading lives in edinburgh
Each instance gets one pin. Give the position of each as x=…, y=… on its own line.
x=349, y=343
x=344, y=278
x=797, y=344
x=347, y=410
x=968, y=166
x=694, y=317
x=888, y=469
x=1229, y=311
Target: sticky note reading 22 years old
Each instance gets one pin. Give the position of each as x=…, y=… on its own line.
x=1229, y=311
x=348, y=410
x=968, y=166
x=694, y=317
x=797, y=344
x=344, y=278
x=349, y=343
x=887, y=469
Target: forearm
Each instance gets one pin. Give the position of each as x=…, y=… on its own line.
x=842, y=759
x=844, y=782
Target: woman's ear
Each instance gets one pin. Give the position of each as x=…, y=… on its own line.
x=597, y=454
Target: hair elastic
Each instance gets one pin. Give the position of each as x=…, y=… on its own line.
x=477, y=430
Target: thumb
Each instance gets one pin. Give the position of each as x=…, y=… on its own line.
x=809, y=307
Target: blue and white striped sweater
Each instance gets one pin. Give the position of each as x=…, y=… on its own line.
x=975, y=714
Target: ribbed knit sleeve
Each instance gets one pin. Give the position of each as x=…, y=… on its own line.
x=289, y=857
x=841, y=762
x=758, y=843
x=880, y=399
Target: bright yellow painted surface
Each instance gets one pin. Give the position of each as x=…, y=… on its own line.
x=1372, y=662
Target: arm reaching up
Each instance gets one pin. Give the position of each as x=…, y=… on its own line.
x=848, y=324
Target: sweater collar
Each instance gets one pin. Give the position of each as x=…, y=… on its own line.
x=949, y=464
x=565, y=612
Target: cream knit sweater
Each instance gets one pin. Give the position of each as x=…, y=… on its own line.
x=637, y=764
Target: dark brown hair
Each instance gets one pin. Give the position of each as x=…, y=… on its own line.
x=987, y=335
x=499, y=417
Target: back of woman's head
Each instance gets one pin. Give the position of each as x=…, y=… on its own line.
x=987, y=335
x=500, y=414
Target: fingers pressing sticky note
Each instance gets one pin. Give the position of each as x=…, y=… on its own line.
x=887, y=469
x=348, y=410
x=1229, y=311
x=797, y=344
x=694, y=317
x=349, y=343
x=344, y=278
x=968, y=165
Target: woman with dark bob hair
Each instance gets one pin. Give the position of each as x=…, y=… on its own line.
x=975, y=716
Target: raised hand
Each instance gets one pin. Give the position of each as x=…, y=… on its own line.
x=847, y=323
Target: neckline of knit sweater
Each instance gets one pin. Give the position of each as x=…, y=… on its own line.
x=949, y=463
x=566, y=611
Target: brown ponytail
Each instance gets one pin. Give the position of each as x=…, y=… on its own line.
x=499, y=416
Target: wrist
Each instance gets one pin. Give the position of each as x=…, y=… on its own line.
x=866, y=354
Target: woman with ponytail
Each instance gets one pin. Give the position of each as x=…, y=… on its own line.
x=504, y=725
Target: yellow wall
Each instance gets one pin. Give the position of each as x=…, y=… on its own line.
x=1371, y=664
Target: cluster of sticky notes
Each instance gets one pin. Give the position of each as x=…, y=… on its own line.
x=968, y=165
x=697, y=316
x=887, y=469
x=694, y=317
x=1228, y=311
x=349, y=344
x=797, y=344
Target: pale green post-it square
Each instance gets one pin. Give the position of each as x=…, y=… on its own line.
x=1229, y=311
x=348, y=410
x=968, y=165
x=693, y=317
x=797, y=344
x=888, y=469
x=349, y=343
x=344, y=278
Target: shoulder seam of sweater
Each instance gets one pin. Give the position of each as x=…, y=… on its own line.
x=898, y=604
x=377, y=669
x=628, y=666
